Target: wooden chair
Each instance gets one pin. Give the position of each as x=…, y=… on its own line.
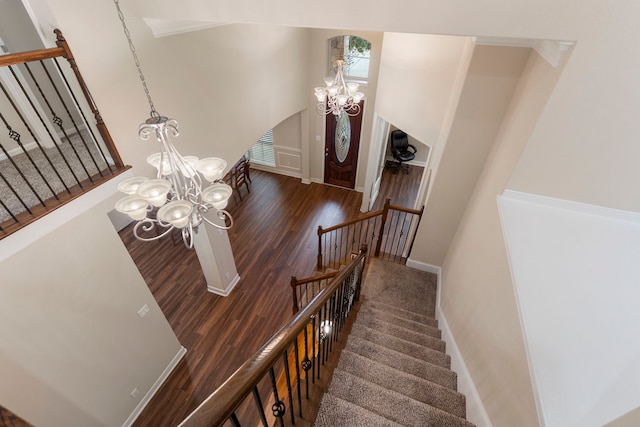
x=240, y=180
x=239, y=176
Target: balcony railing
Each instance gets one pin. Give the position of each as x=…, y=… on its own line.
x=391, y=231
x=290, y=363
x=54, y=145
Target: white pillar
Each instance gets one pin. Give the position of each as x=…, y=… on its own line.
x=216, y=259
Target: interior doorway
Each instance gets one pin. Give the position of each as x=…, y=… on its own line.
x=380, y=157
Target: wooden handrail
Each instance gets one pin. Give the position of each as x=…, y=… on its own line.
x=364, y=217
x=30, y=56
x=295, y=282
x=221, y=404
x=367, y=216
x=407, y=210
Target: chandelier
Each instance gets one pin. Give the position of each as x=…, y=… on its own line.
x=338, y=96
x=176, y=199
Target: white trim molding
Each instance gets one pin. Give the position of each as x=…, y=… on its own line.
x=165, y=27
x=476, y=412
x=552, y=51
x=224, y=292
x=155, y=387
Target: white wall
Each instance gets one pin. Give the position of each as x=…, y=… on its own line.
x=477, y=296
x=226, y=85
x=492, y=77
x=576, y=272
x=417, y=76
x=73, y=346
x=583, y=146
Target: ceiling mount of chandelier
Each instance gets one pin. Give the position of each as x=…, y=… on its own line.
x=176, y=198
x=338, y=96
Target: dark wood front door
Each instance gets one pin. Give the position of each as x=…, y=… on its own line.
x=342, y=142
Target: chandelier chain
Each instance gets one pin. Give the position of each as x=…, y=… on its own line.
x=132, y=48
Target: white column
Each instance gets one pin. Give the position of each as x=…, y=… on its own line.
x=216, y=259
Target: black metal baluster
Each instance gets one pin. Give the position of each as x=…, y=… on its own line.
x=16, y=137
x=84, y=118
x=319, y=340
x=35, y=110
x=326, y=337
x=8, y=211
x=278, y=408
x=287, y=377
x=342, y=309
x=307, y=364
x=336, y=312
x=374, y=230
x=234, y=420
x=55, y=121
x=297, y=356
x=313, y=347
x=402, y=238
x=15, y=193
x=329, y=323
x=66, y=108
x=256, y=398
x=398, y=225
x=342, y=247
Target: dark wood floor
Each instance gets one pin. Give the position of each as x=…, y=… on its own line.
x=274, y=237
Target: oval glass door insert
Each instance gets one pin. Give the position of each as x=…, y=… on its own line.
x=343, y=137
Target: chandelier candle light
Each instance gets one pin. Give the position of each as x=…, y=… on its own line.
x=339, y=96
x=175, y=199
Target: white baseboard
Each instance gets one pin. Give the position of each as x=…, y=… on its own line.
x=225, y=292
x=476, y=413
x=423, y=266
x=155, y=387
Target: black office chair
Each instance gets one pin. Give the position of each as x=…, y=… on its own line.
x=401, y=150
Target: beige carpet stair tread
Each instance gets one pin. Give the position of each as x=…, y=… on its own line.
x=336, y=412
x=417, y=326
x=410, y=385
x=408, y=364
x=407, y=347
x=372, y=304
x=394, y=368
x=401, y=287
x=390, y=404
x=401, y=332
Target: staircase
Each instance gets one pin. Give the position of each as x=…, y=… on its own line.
x=393, y=370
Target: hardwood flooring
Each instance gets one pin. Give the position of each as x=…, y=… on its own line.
x=274, y=237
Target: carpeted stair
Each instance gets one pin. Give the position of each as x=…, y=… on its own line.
x=393, y=370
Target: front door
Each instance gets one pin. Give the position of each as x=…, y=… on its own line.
x=341, y=148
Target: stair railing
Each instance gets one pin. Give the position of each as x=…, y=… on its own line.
x=312, y=332
x=390, y=230
x=304, y=290
x=50, y=152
